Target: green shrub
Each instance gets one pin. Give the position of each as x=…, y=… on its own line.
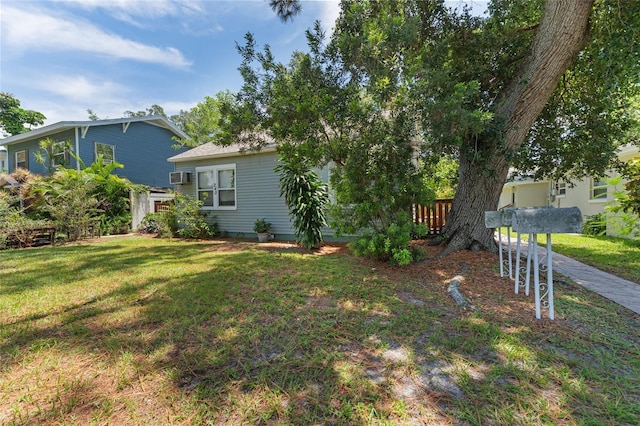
x=261, y=226
x=190, y=220
x=158, y=223
x=595, y=225
x=14, y=224
x=391, y=244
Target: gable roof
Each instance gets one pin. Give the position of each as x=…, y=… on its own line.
x=209, y=150
x=156, y=120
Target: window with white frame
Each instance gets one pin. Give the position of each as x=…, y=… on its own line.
x=107, y=151
x=21, y=159
x=59, y=154
x=561, y=189
x=216, y=186
x=598, y=190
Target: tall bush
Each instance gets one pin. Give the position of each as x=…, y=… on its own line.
x=306, y=196
x=66, y=199
x=189, y=219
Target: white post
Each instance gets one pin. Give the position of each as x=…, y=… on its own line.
x=528, y=274
x=517, y=285
x=500, y=251
x=550, y=278
x=536, y=275
x=509, y=244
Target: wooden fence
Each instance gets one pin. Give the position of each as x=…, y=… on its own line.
x=432, y=216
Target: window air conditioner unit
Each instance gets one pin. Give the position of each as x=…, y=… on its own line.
x=179, y=178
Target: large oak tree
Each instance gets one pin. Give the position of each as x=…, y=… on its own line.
x=541, y=85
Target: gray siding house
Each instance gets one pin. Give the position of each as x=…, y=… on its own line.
x=141, y=144
x=237, y=188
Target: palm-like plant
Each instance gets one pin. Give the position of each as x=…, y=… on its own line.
x=306, y=196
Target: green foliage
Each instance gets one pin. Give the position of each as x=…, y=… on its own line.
x=595, y=225
x=163, y=224
x=630, y=199
x=456, y=68
x=66, y=198
x=13, y=118
x=390, y=243
x=306, y=196
x=625, y=209
x=442, y=177
x=461, y=79
x=113, y=195
x=14, y=223
x=53, y=153
x=318, y=113
x=152, y=110
x=261, y=226
x=79, y=200
x=201, y=123
x=189, y=219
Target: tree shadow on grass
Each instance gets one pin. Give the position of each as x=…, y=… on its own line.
x=284, y=337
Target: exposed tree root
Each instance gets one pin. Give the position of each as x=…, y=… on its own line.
x=454, y=290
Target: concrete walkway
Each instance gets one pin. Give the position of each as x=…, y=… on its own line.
x=621, y=291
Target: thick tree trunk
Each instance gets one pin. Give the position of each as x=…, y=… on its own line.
x=561, y=35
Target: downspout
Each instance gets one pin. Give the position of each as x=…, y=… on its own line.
x=77, y=150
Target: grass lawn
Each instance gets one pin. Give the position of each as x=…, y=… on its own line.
x=143, y=331
x=618, y=256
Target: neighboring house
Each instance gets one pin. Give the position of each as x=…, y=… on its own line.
x=589, y=195
x=237, y=188
x=141, y=144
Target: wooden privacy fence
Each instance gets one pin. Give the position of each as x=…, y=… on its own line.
x=433, y=216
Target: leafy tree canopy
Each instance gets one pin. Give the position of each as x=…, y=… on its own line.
x=313, y=108
x=13, y=119
x=544, y=86
x=152, y=110
x=201, y=123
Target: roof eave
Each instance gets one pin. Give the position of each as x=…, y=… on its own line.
x=178, y=159
x=156, y=120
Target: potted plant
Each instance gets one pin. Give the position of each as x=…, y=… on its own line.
x=262, y=228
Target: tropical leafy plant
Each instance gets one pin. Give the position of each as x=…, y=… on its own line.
x=306, y=196
x=113, y=195
x=53, y=154
x=66, y=198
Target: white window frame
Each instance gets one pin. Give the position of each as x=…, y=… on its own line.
x=57, y=153
x=104, y=160
x=598, y=185
x=26, y=159
x=561, y=189
x=215, y=189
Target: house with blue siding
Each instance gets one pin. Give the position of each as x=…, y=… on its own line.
x=237, y=187
x=141, y=144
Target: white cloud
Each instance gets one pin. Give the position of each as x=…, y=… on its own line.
x=79, y=88
x=330, y=10
x=40, y=30
x=140, y=8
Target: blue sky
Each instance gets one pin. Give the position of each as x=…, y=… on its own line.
x=62, y=57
